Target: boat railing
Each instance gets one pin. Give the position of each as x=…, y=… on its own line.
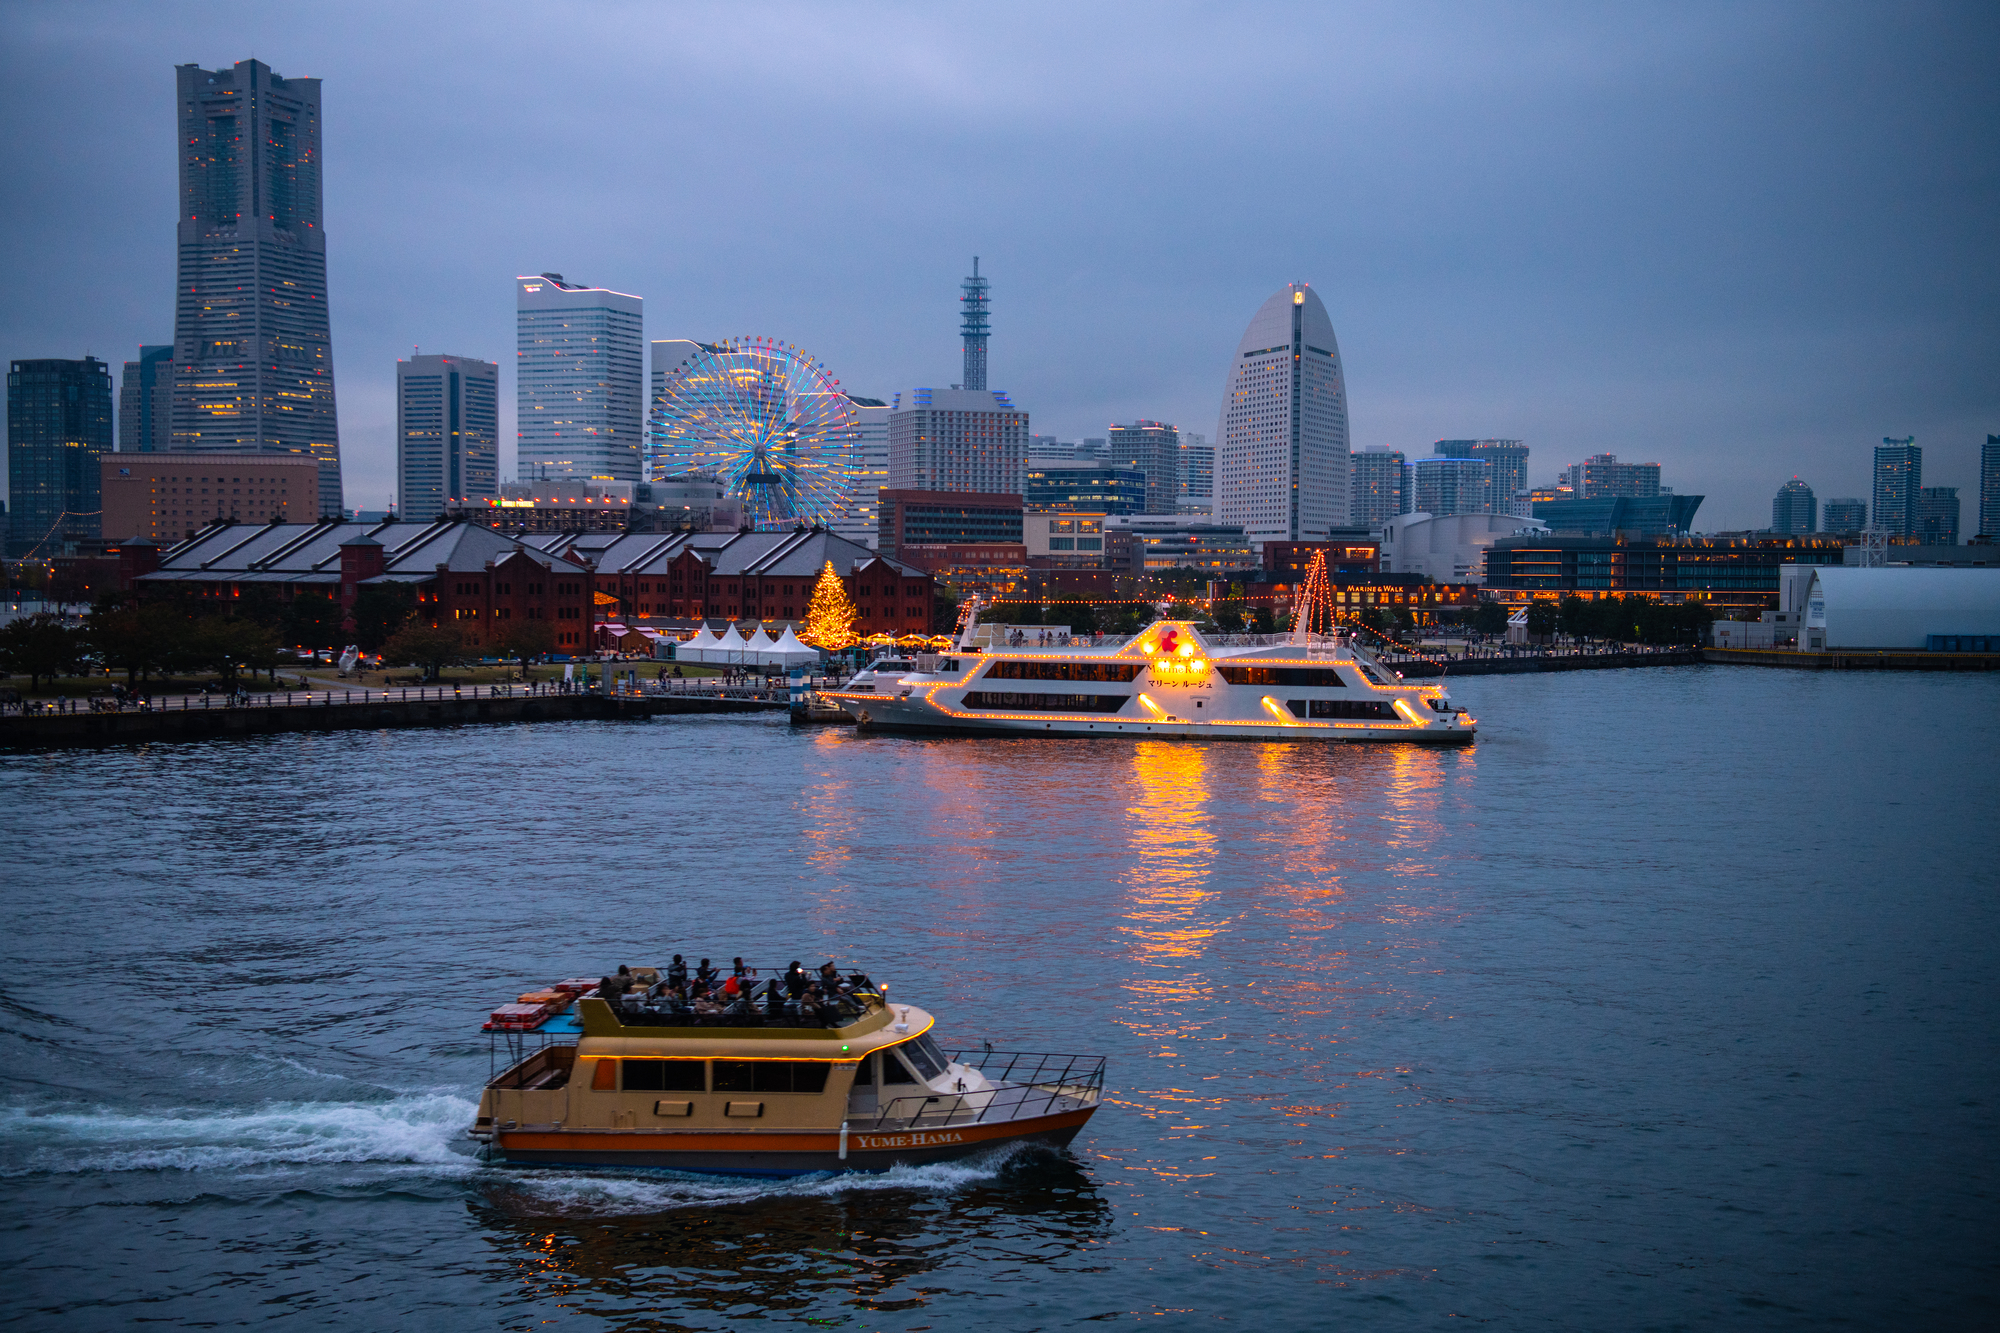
x=1027, y=1085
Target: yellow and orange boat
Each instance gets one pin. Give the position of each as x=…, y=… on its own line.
x=852, y=1084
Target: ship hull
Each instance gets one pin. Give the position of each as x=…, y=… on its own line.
x=779, y=1152
x=911, y=719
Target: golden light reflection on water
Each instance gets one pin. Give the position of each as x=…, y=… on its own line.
x=1171, y=840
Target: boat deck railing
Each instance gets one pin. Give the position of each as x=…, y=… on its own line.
x=1027, y=1085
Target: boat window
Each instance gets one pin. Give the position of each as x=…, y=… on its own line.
x=922, y=1059
x=864, y=1072
x=894, y=1070
x=1045, y=703
x=1347, y=708
x=665, y=1075
x=1256, y=675
x=930, y=1048
x=771, y=1075
x=1120, y=672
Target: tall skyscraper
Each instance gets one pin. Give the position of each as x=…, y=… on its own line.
x=1197, y=474
x=447, y=434
x=1989, y=488
x=1448, y=486
x=975, y=302
x=579, y=391
x=1375, y=485
x=253, y=348
x=146, y=403
x=1154, y=448
x=1846, y=514
x=867, y=467
x=957, y=440
x=1795, y=509
x=58, y=427
x=1510, y=466
x=1899, y=475
x=1281, y=444
x=1937, y=516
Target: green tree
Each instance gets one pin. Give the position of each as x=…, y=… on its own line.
x=1573, y=616
x=1541, y=619
x=1490, y=618
x=380, y=609
x=432, y=647
x=523, y=639
x=1262, y=619
x=37, y=646
x=1082, y=617
x=227, y=645
x=1228, y=620
x=136, y=638
x=312, y=620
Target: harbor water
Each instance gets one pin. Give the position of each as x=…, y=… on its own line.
x=1671, y=1003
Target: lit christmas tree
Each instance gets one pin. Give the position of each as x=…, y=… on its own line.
x=830, y=618
x=1314, y=611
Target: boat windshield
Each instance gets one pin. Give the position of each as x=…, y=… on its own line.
x=923, y=1053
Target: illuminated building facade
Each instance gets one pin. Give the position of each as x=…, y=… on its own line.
x=944, y=518
x=1094, y=490
x=867, y=468
x=1989, y=487
x=1197, y=475
x=1724, y=572
x=1444, y=487
x=253, y=344
x=578, y=392
x=1602, y=476
x=447, y=434
x=58, y=427
x=1376, y=486
x=1281, y=454
x=1508, y=476
x=1936, y=520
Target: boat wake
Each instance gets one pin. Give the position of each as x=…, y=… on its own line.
x=536, y=1191
x=414, y=1129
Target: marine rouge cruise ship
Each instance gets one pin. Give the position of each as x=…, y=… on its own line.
x=1169, y=680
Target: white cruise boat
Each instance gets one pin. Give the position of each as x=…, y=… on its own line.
x=1168, y=680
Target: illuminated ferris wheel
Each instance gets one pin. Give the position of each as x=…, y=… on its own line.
x=763, y=418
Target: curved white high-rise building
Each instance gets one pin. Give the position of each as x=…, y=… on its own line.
x=1281, y=446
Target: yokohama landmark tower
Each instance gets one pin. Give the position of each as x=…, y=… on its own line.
x=253, y=353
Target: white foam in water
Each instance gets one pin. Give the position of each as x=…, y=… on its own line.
x=417, y=1128
x=568, y=1193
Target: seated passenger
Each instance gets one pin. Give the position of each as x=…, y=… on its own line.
x=705, y=972
x=741, y=970
x=829, y=975
x=774, y=999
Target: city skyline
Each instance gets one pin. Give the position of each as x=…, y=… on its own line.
x=1827, y=319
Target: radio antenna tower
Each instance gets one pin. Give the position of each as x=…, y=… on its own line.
x=973, y=327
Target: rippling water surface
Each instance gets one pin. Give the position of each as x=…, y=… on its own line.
x=1671, y=1003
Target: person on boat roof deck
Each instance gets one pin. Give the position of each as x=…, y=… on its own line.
x=796, y=980
x=615, y=986
x=677, y=971
x=705, y=972
x=743, y=971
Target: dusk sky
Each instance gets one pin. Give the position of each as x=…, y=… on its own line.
x=1744, y=241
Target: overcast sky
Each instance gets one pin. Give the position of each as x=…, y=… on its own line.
x=1744, y=241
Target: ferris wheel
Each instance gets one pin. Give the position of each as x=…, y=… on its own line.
x=764, y=419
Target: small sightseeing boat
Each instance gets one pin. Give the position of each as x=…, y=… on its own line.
x=1168, y=681
x=763, y=1087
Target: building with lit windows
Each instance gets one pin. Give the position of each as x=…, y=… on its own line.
x=447, y=434
x=945, y=518
x=146, y=402
x=1152, y=448
x=1846, y=514
x=1795, y=509
x=1090, y=490
x=1197, y=475
x=1508, y=475
x=1163, y=541
x=957, y=440
x=1989, y=487
x=168, y=497
x=1899, y=475
x=1602, y=477
x=58, y=427
x=1725, y=572
x=1281, y=455
x=1936, y=519
x=1443, y=487
x=253, y=344
x=866, y=464
x=1376, y=486
x=578, y=391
